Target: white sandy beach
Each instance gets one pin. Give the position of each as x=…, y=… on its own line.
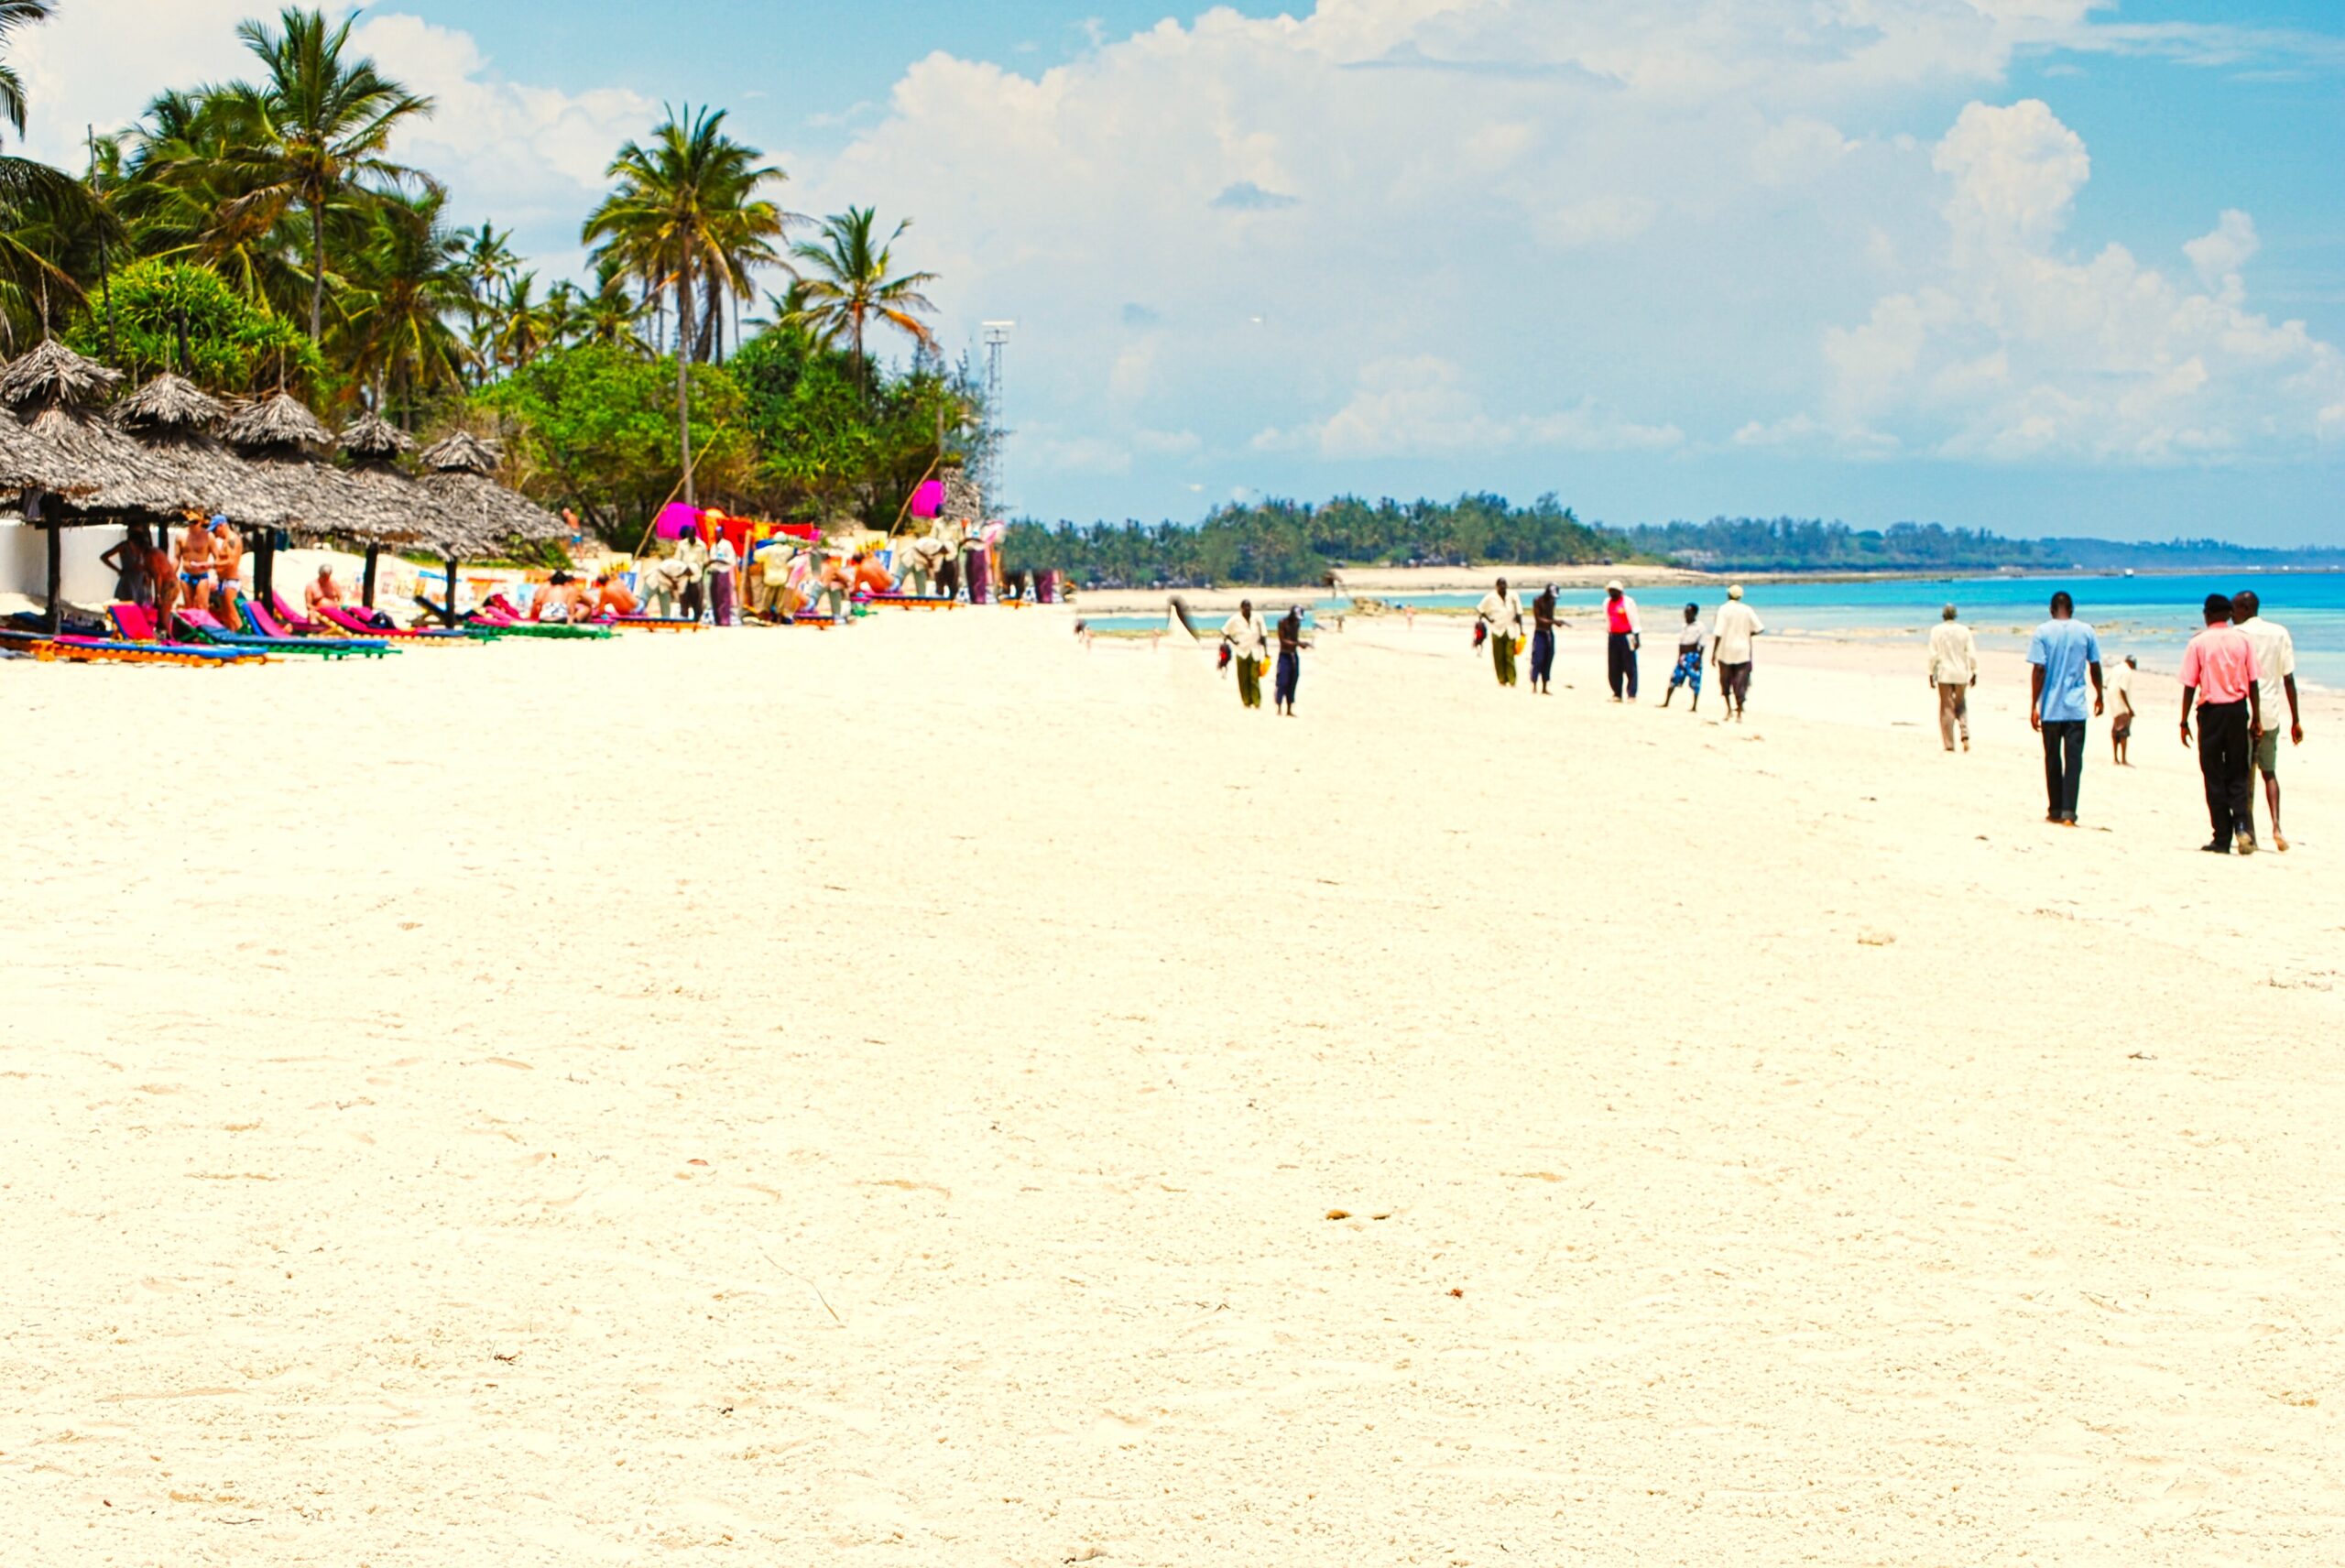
x=883, y=1096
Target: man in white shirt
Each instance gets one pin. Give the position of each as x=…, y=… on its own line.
x=1954, y=670
x=2276, y=663
x=1245, y=639
x=691, y=554
x=1730, y=636
x=1500, y=615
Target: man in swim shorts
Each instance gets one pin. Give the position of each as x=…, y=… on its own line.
x=196, y=544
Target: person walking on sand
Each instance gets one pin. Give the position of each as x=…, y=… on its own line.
x=1289, y=660
x=1501, y=616
x=1954, y=670
x=2063, y=652
x=1730, y=650
x=1688, y=671
x=2121, y=710
x=1623, y=636
x=1543, y=623
x=1244, y=639
x=2275, y=662
x=2220, y=677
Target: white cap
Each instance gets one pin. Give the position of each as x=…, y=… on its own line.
x=1735, y=592
x=1614, y=587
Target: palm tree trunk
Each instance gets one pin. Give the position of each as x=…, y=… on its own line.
x=684, y=376
x=317, y=272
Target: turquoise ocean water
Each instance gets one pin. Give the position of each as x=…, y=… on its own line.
x=2149, y=617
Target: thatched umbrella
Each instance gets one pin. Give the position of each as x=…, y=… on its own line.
x=483, y=514
x=374, y=446
x=58, y=452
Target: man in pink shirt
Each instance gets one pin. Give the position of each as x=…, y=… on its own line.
x=2218, y=676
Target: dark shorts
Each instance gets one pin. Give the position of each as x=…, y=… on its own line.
x=1734, y=679
x=2121, y=725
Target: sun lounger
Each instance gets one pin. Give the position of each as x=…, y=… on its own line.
x=110, y=651
x=203, y=627
x=343, y=620
x=135, y=624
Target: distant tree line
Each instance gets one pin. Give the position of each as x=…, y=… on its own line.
x=1794, y=544
x=1285, y=544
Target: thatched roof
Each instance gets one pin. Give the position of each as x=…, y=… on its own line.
x=170, y=403
x=374, y=437
x=281, y=422
x=490, y=514
x=465, y=453
x=54, y=376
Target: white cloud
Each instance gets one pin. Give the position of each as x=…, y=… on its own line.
x=530, y=156
x=1420, y=407
x=2014, y=351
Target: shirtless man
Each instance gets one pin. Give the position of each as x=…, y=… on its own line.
x=228, y=565
x=324, y=592
x=612, y=598
x=195, y=564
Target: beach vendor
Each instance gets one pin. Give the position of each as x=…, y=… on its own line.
x=691, y=558
x=2221, y=681
x=1244, y=639
x=1730, y=650
x=1688, y=670
x=1623, y=636
x=1954, y=670
x=1290, y=676
x=922, y=558
x=723, y=561
x=771, y=594
x=2062, y=653
x=1500, y=615
x=1543, y=623
x=661, y=581
x=2275, y=664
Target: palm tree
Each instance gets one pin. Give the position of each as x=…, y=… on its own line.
x=45, y=214
x=322, y=124
x=409, y=279
x=489, y=264
x=844, y=287
x=687, y=218
x=523, y=326
x=613, y=315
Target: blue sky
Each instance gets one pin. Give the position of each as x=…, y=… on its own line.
x=2042, y=266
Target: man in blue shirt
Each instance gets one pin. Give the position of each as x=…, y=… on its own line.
x=2064, y=651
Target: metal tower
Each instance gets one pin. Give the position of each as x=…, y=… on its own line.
x=996, y=342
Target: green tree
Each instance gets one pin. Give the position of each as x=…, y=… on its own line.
x=593, y=426
x=184, y=318
x=843, y=284
x=688, y=216
x=320, y=126
x=407, y=282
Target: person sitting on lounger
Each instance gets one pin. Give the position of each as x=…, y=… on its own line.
x=613, y=599
x=325, y=591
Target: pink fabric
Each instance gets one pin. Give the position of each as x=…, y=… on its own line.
x=929, y=499
x=2221, y=664
x=676, y=520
